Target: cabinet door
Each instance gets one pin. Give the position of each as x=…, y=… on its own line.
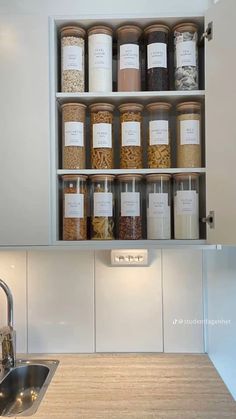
x=221, y=122
x=24, y=131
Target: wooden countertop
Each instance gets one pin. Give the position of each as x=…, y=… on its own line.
x=136, y=386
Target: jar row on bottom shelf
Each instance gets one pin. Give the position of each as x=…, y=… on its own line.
x=130, y=207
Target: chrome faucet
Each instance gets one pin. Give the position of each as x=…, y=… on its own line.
x=7, y=333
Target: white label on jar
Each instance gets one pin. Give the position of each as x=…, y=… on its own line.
x=129, y=56
x=130, y=204
x=186, y=53
x=102, y=204
x=158, y=205
x=72, y=58
x=156, y=55
x=74, y=205
x=74, y=134
x=159, y=132
x=186, y=203
x=100, y=53
x=189, y=132
x=130, y=133
x=102, y=135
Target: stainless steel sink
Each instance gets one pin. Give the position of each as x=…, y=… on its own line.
x=23, y=387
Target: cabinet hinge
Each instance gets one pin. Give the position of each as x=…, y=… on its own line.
x=208, y=34
x=210, y=219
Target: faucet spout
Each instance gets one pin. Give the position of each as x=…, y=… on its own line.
x=7, y=333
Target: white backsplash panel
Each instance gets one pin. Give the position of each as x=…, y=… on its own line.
x=61, y=301
x=128, y=306
x=13, y=272
x=183, y=301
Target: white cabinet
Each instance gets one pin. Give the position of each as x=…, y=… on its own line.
x=24, y=121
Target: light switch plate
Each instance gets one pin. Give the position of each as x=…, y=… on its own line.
x=129, y=257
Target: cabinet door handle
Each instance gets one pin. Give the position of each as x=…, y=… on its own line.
x=210, y=219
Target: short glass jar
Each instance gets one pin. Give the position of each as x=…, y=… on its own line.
x=158, y=198
x=186, y=56
x=72, y=59
x=100, y=59
x=73, y=135
x=157, y=37
x=102, y=207
x=186, y=206
x=102, y=152
x=159, y=142
x=130, y=207
x=129, y=68
x=74, y=207
x=188, y=134
x=131, y=149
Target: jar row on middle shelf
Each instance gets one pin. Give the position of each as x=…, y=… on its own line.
x=132, y=207
x=155, y=136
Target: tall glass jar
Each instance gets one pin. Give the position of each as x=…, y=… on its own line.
x=102, y=153
x=100, y=59
x=129, y=69
x=186, y=56
x=188, y=134
x=130, y=207
x=72, y=59
x=158, y=200
x=73, y=135
x=186, y=206
x=74, y=207
x=102, y=207
x=131, y=149
x=159, y=144
x=157, y=57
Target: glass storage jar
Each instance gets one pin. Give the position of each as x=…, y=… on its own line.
x=130, y=207
x=186, y=56
x=129, y=69
x=158, y=198
x=157, y=57
x=159, y=143
x=72, y=59
x=102, y=154
x=74, y=207
x=186, y=206
x=73, y=136
x=131, y=149
x=100, y=59
x=102, y=207
x=188, y=134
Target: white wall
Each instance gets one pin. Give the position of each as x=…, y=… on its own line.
x=220, y=270
x=70, y=301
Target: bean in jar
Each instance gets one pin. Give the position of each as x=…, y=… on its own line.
x=158, y=206
x=102, y=155
x=186, y=56
x=186, y=206
x=131, y=149
x=159, y=147
x=129, y=71
x=157, y=57
x=73, y=135
x=189, y=134
x=102, y=218
x=74, y=207
x=130, y=207
x=72, y=59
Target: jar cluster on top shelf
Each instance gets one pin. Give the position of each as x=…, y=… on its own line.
x=156, y=140
x=143, y=58
x=130, y=207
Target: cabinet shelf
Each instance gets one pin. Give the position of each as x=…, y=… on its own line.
x=129, y=171
x=117, y=97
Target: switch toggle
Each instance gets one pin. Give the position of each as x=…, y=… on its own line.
x=126, y=257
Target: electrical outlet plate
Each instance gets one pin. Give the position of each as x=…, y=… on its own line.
x=126, y=257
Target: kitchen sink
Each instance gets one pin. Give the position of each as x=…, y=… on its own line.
x=23, y=387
